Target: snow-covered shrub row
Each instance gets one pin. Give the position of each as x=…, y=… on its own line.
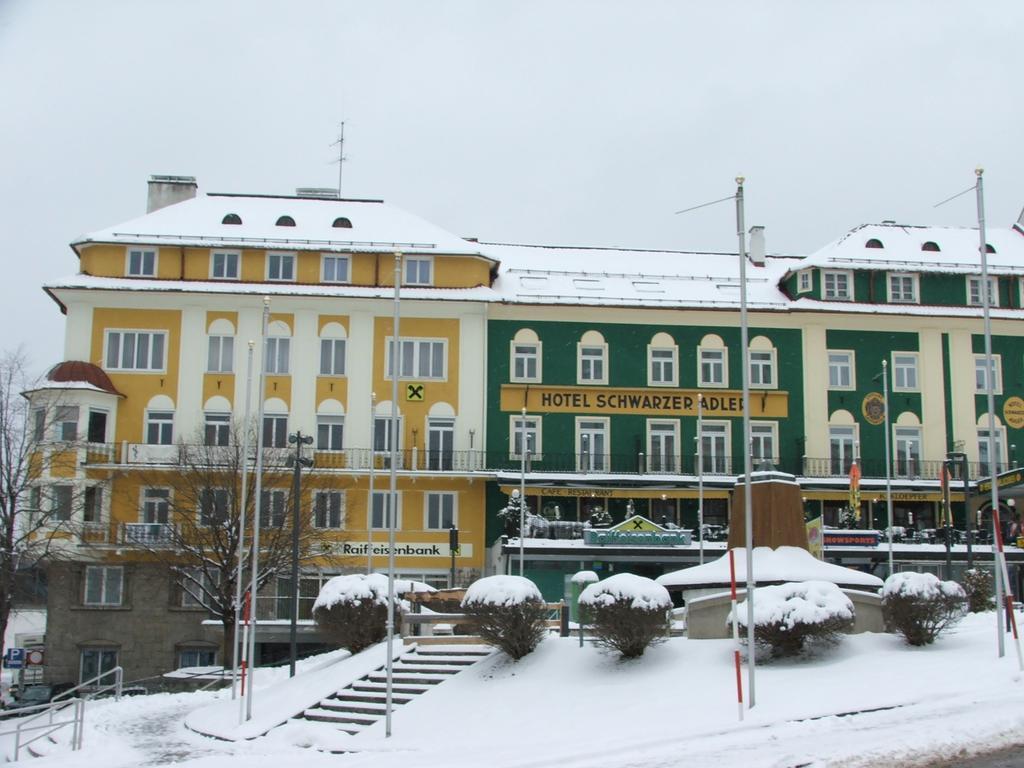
x=353, y=609
x=627, y=613
x=508, y=611
x=979, y=585
x=920, y=607
x=789, y=616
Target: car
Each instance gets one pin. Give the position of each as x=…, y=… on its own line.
x=41, y=693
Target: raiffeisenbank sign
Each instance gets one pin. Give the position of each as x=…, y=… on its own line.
x=647, y=401
x=636, y=531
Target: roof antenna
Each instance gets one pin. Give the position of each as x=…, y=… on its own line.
x=341, y=154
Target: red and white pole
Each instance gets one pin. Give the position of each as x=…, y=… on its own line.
x=736, y=632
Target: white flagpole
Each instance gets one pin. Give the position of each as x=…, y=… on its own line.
x=393, y=512
x=236, y=644
x=748, y=515
x=256, y=521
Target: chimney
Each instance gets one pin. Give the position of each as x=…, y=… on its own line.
x=756, y=249
x=168, y=190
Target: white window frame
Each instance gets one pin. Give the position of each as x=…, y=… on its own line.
x=155, y=418
x=136, y=334
x=334, y=259
x=203, y=519
x=385, y=496
x=333, y=354
x=804, y=281
x=141, y=271
x=723, y=363
x=770, y=365
x=329, y=421
x=155, y=501
x=328, y=493
x=672, y=461
x=850, y=367
x=713, y=429
x=762, y=429
x=428, y=497
x=65, y=423
x=902, y=436
x=585, y=458
x=92, y=504
x=208, y=581
x=900, y=367
x=276, y=348
x=270, y=435
x=415, y=360
x=999, y=461
x=902, y=288
x=600, y=359
x=230, y=267
x=834, y=294
x=62, y=502
x=657, y=366
x=220, y=355
x=833, y=432
x=980, y=382
x=220, y=424
x=533, y=435
x=276, y=498
x=111, y=585
x=414, y=266
x=282, y=258
x=974, y=291
x=517, y=352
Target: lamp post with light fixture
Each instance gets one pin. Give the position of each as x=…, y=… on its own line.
x=298, y=462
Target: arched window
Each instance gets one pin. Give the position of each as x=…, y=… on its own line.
x=591, y=359
x=286, y=221
x=874, y=242
x=763, y=367
x=231, y=218
x=525, y=363
x=217, y=421
x=842, y=442
x=330, y=426
x=342, y=222
x=332, y=349
x=712, y=362
x=931, y=246
x=662, y=361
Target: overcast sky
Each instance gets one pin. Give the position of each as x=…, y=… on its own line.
x=582, y=123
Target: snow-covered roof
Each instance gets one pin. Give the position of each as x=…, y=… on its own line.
x=902, y=246
x=770, y=565
x=198, y=222
x=544, y=274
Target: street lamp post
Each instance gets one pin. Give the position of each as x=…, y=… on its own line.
x=888, y=458
x=700, y=474
x=236, y=646
x=958, y=457
x=298, y=440
x=369, y=496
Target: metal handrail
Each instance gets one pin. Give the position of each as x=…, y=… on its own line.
x=51, y=726
x=116, y=686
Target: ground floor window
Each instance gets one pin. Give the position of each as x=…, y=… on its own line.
x=96, y=662
x=197, y=657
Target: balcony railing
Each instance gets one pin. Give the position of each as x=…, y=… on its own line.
x=463, y=462
x=148, y=534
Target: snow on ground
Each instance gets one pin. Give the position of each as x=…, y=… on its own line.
x=870, y=701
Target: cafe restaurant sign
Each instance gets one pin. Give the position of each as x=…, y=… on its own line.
x=636, y=531
x=646, y=401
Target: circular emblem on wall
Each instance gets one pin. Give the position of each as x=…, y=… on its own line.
x=1013, y=412
x=873, y=408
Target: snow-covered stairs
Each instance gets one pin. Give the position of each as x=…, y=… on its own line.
x=419, y=669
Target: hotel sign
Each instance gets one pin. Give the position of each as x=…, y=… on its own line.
x=643, y=401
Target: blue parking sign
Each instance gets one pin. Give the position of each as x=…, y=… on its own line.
x=14, y=658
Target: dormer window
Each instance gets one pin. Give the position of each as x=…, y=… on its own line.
x=286, y=221
x=838, y=286
x=231, y=218
x=931, y=246
x=342, y=222
x=874, y=242
x=989, y=248
x=903, y=289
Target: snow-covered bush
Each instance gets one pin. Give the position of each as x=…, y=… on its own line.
x=627, y=613
x=789, y=616
x=353, y=609
x=509, y=613
x=978, y=585
x=920, y=607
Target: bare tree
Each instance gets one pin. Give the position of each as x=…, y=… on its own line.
x=193, y=514
x=40, y=500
